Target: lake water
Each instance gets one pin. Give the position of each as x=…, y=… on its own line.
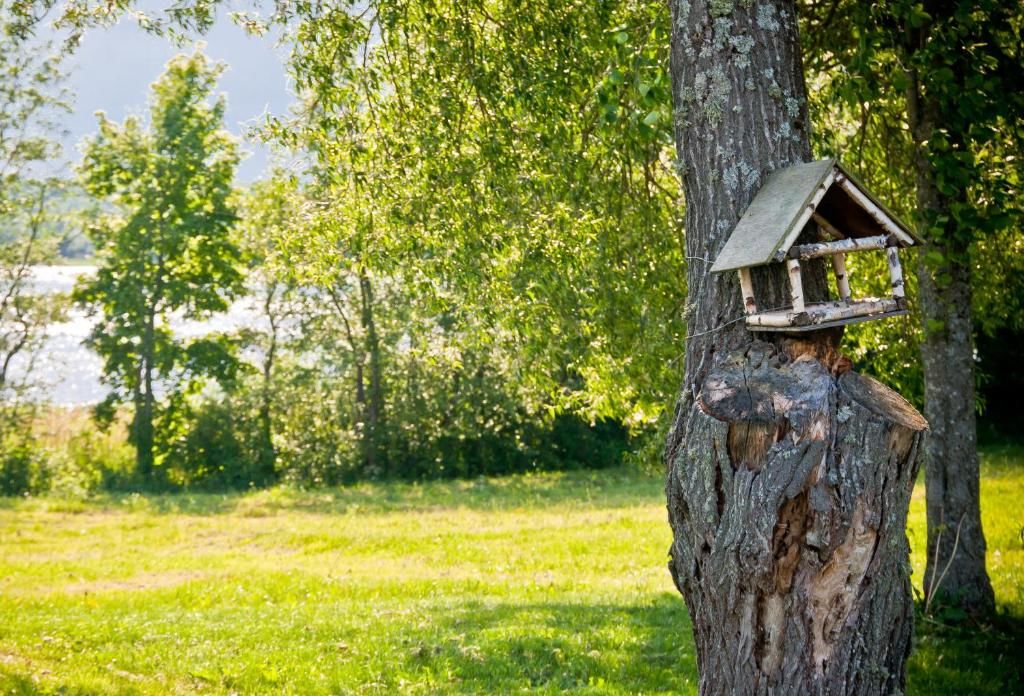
x=67, y=372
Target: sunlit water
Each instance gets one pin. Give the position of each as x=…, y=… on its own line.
x=66, y=372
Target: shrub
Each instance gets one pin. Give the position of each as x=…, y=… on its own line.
x=215, y=448
x=23, y=468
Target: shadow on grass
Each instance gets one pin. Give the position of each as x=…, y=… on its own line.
x=1001, y=459
x=647, y=648
x=968, y=659
x=555, y=647
x=16, y=684
x=473, y=647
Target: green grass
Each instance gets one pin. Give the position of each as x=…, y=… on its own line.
x=972, y=660
x=537, y=584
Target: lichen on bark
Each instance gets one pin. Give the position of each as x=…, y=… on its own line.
x=788, y=499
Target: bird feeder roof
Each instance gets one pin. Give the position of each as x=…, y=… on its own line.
x=784, y=205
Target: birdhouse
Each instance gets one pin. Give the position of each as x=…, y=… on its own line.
x=848, y=220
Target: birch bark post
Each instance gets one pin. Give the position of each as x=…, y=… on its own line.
x=789, y=477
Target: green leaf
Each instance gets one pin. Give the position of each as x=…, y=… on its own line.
x=917, y=17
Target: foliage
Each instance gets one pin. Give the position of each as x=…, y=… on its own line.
x=86, y=460
x=31, y=102
x=445, y=407
x=31, y=96
x=58, y=451
x=298, y=406
x=164, y=249
x=866, y=61
x=485, y=238
x=456, y=425
x=506, y=166
x=270, y=210
x=22, y=469
x=24, y=313
x=215, y=450
x=543, y=583
x=964, y=58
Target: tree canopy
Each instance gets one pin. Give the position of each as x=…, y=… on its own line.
x=510, y=161
x=163, y=244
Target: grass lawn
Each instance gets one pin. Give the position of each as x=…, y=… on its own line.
x=536, y=584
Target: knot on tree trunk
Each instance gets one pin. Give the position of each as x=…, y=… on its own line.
x=788, y=499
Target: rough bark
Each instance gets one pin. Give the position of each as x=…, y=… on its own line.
x=947, y=357
x=788, y=486
x=789, y=500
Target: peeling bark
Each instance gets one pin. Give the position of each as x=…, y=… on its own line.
x=789, y=476
x=793, y=557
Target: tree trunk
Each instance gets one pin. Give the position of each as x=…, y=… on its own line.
x=358, y=348
x=374, y=404
x=947, y=355
x=267, y=451
x=17, y=326
x=144, y=403
x=789, y=478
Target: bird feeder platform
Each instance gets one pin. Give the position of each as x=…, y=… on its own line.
x=822, y=315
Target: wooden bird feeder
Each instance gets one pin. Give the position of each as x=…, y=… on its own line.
x=848, y=219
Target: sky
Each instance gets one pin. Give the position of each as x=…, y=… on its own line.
x=113, y=68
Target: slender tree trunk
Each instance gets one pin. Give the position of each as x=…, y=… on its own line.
x=17, y=327
x=956, y=543
x=359, y=359
x=789, y=477
x=267, y=452
x=374, y=404
x=144, y=403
